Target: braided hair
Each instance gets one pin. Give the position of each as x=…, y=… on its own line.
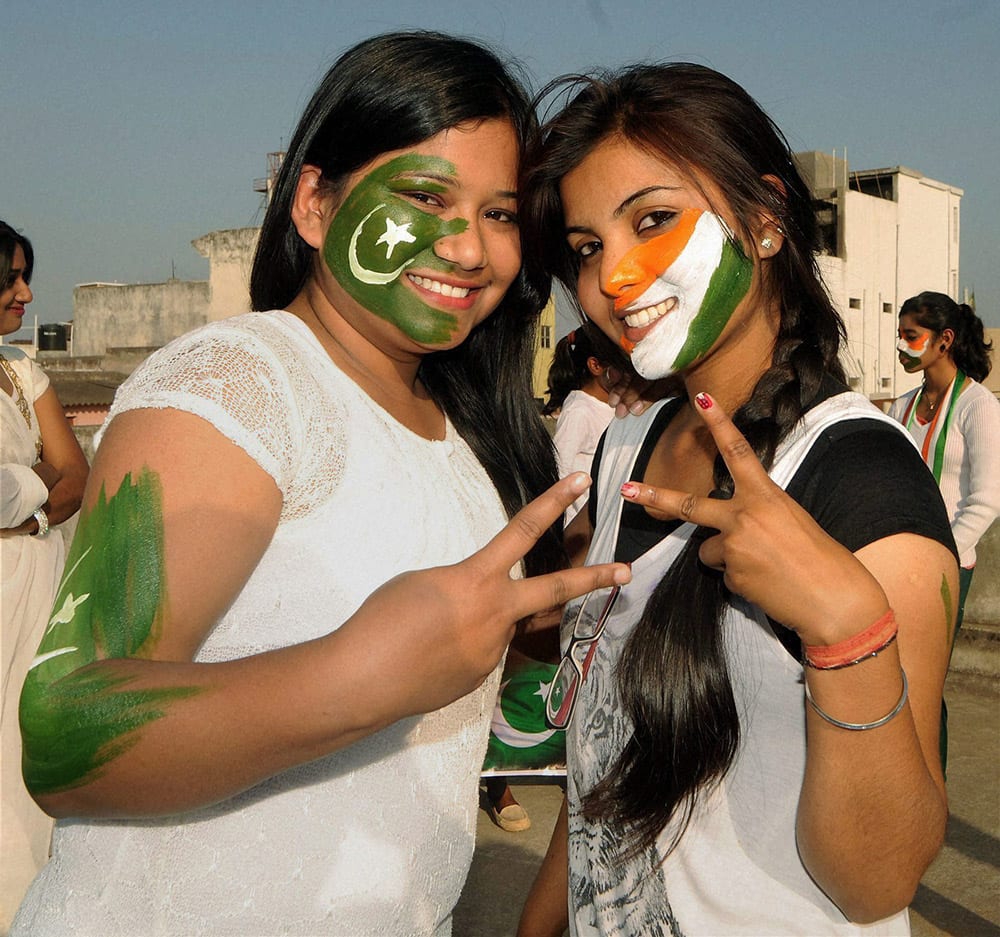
x=673, y=680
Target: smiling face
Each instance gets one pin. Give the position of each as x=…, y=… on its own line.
x=15, y=294
x=426, y=238
x=659, y=271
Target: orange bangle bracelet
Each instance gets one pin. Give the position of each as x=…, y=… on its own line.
x=868, y=643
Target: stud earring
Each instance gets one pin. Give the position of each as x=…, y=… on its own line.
x=767, y=244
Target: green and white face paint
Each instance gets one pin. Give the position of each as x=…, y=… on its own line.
x=691, y=277
x=910, y=352
x=377, y=234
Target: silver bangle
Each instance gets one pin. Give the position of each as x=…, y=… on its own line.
x=862, y=726
x=43, y=523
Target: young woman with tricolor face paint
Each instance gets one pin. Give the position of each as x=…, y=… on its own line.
x=277, y=726
x=752, y=733
x=954, y=421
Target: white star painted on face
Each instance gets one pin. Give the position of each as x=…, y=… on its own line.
x=394, y=233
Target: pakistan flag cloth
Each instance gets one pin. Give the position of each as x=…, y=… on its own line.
x=520, y=741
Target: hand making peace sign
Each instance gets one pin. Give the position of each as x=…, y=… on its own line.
x=770, y=549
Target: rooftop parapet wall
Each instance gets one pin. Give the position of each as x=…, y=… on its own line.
x=144, y=315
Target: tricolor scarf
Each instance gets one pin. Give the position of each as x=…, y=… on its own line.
x=932, y=449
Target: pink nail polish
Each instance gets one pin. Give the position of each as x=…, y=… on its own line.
x=703, y=401
x=630, y=490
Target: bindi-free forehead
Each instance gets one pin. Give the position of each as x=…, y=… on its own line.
x=478, y=155
x=615, y=177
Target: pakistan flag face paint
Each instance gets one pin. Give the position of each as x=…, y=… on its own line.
x=377, y=234
x=692, y=277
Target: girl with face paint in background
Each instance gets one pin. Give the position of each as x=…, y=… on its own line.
x=954, y=420
x=745, y=754
x=258, y=719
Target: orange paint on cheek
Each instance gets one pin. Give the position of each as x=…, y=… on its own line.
x=640, y=266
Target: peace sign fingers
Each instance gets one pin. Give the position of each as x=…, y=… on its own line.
x=749, y=476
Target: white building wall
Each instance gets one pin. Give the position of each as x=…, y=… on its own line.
x=870, y=227
x=890, y=246
x=929, y=243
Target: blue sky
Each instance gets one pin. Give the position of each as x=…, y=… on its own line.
x=134, y=128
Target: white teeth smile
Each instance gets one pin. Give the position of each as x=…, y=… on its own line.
x=642, y=318
x=436, y=286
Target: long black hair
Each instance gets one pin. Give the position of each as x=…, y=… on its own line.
x=391, y=92
x=10, y=240
x=936, y=311
x=673, y=680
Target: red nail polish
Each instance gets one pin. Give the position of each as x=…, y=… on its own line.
x=630, y=490
x=703, y=401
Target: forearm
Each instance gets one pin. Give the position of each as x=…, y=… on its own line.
x=546, y=910
x=146, y=738
x=871, y=813
x=23, y=491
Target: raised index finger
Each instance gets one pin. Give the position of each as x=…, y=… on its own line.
x=524, y=529
x=736, y=452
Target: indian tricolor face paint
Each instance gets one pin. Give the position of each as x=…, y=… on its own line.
x=377, y=234
x=678, y=291
x=910, y=352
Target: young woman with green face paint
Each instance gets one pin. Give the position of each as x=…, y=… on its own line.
x=240, y=647
x=701, y=749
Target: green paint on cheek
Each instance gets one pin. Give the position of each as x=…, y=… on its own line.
x=377, y=234
x=74, y=717
x=729, y=284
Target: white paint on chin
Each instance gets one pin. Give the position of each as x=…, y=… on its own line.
x=904, y=348
x=687, y=278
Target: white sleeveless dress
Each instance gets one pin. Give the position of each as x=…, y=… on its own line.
x=375, y=839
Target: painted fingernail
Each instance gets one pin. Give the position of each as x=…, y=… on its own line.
x=704, y=401
x=630, y=490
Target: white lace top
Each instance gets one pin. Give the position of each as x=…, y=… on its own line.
x=375, y=839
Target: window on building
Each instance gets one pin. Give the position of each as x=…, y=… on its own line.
x=854, y=302
x=546, y=336
x=954, y=224
x=887, y=307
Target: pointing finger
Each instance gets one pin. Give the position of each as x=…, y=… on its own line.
x=556, y=589
x=667, y=504
x=738, y=454
x=524, y=529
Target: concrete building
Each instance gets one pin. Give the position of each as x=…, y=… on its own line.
x=887, y=234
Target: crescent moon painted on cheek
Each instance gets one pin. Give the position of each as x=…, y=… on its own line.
x=515, y=738
x=360, y=271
